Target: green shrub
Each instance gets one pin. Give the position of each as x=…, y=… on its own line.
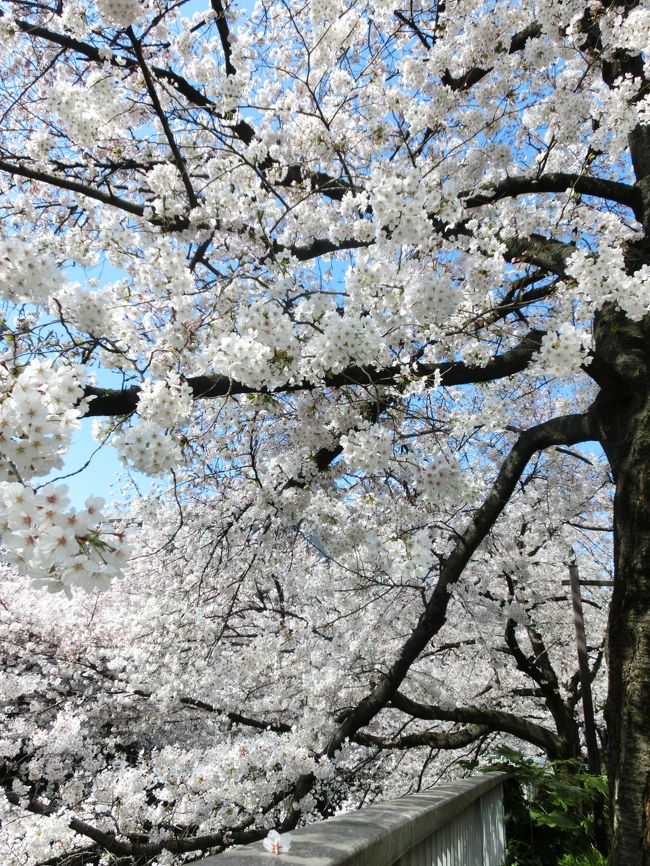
x=549, y=811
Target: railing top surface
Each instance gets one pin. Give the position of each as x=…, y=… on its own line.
x=374, y=836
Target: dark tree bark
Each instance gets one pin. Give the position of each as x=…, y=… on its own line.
x=623, y=416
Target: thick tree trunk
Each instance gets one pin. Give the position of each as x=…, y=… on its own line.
x=629, y=655
x=623, y=415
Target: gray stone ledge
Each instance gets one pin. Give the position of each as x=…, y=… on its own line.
x=375, y=836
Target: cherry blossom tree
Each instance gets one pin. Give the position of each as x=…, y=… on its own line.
x=358, y=281
x=156, y=722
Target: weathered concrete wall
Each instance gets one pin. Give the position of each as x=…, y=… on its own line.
x=459, y=824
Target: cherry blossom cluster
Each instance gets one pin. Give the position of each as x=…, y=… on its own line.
x=168, y=402
x=89, y=311
x=26, y=273
x=439, y=479
x=57, y=546
x=411, y=556
x=150, y=443
x=85, y=110
x=563, y=351
x=120, y=13
x=368, y=450
x=604, y=278
x=40, y=408
x=148, y=447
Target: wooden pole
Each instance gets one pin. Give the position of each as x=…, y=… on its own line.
x=593, y=753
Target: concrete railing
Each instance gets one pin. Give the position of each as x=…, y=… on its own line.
x=459, y=824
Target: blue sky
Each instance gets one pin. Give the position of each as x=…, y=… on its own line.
x=103, y=476
x=94, y=470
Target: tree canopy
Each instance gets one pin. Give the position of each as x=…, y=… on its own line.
x=366, y=287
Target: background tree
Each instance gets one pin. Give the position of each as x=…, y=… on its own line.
x=372, y=267
x=180, y=715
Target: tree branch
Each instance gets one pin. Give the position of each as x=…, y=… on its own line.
x=224, y=35
x=433, y=739
x=242, y=130
x=123, y=847
x=539, y=669
x=559, y=182
x=475, y=74
x=547, y=253
x=110, y=401
x=164, y=122
x=494, y=720
x=91, y=854
x=73, y=186
x=564, y=430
